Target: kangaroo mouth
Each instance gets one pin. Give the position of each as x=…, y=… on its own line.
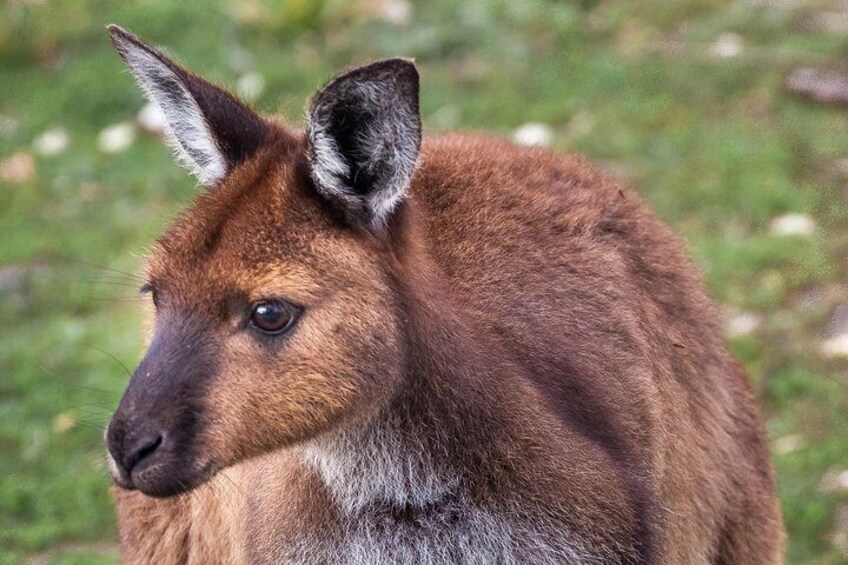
x=161, y=469
x=163, y=479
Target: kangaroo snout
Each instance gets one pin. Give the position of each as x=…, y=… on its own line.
x=132, y=448
x=154, y=438
x=156, y=451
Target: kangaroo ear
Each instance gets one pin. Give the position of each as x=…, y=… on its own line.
x=210, y=130
x=365, y=133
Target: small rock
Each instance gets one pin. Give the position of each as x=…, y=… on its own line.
x=727, y=46
x=116, y=138
x=834, y=481
x=836, y=346
x=831, y=21
x=11, y=277
x=744, y=323
x=151, y=119
x=51, y=142
x=534, y=134
x=396, y=12
x=250, y=85
x=19, y=167
x=793, y=224
x=839, y=321
x=809, y=300
x=787, y=444
x=8, y=126
x=829, y=86
x=782, y=4
x=839, y=166
x=839, y=537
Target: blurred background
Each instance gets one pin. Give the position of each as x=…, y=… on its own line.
x=730, y=117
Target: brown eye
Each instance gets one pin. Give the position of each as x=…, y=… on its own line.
x=273, y=316
x=148, y=288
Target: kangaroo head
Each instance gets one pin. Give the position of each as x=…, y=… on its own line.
x=275, y=316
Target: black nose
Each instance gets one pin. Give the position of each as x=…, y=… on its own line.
x=142, y=448
x=129, y=448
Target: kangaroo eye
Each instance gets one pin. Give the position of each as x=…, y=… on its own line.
x=274, y=316
x=148, y=288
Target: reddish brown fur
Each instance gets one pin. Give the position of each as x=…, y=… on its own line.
x=525, y=306
x=564, y=281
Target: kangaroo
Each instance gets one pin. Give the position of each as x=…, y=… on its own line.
x=371, y=346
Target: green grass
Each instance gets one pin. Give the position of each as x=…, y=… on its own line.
x=714, y=144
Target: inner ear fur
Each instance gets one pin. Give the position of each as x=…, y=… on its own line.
x=209, y=128
x=365, y=135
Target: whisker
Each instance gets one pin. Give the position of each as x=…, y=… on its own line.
x=97, y=411
x=95, y=265
x=111, y=284
x=137, y=298
x=93, y=277
x=208, y=487
x=65, y=382
x=92, y=424
x=115, y=359
x=232, y=482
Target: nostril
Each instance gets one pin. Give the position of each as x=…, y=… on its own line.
x=147, y=450
x=144, y=448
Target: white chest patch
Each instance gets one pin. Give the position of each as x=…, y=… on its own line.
x=400, y=503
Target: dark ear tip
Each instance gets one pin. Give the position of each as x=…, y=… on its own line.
x=396, y=66
x=400, y=61
x=126, y=43
x=119, y=34
x=121, y=38
x=399, y=65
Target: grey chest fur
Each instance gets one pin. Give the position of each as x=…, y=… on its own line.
x=396, y=504
x=455, y=531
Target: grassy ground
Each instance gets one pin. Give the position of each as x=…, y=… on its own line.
x=683, y=99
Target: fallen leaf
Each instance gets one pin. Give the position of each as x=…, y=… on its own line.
x=64, y=422
x=20, y=167
x=727, y=46
x=793, y=224
x=51, y=142
x=116, y=138
x=533, y=134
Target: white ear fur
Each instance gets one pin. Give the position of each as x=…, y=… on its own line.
x=365, y=133
x=383, y=144
x=188, y=131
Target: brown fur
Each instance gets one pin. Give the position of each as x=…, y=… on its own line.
x=528, y=311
